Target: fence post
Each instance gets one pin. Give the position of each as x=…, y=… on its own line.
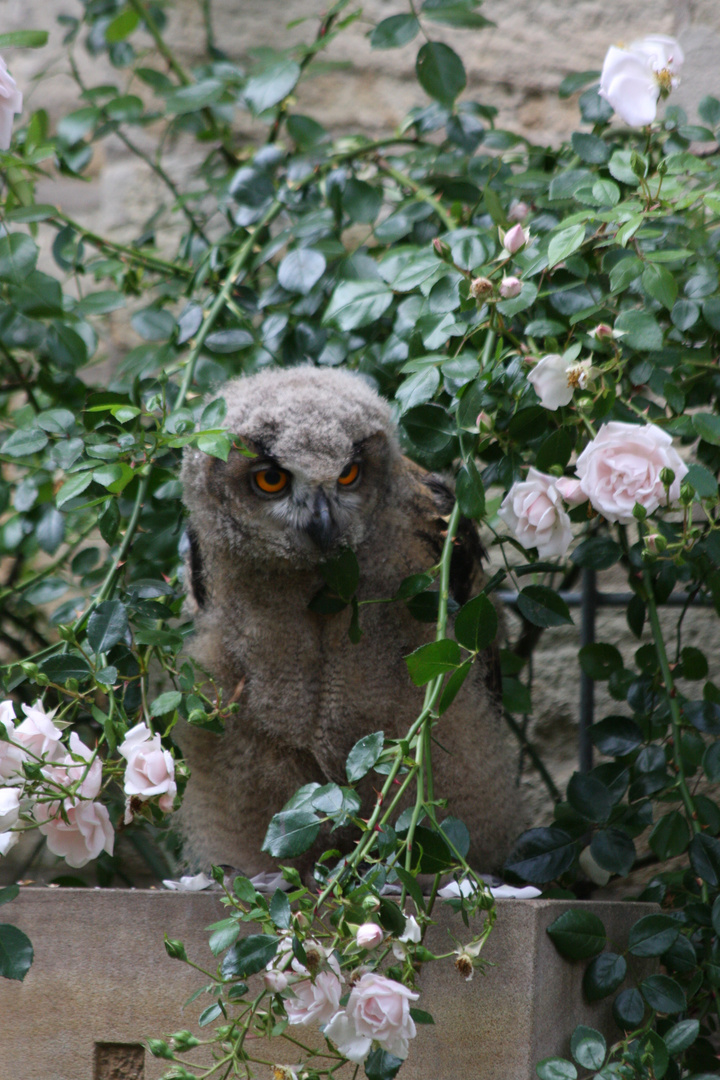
x=587, y=687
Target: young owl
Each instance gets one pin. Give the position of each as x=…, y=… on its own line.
x=327, y=473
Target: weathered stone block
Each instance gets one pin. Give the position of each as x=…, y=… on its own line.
x=102, y=983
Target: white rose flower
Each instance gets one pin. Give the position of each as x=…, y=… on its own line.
x=150, y=769
x=11, y=756
x=532, y=510
x=622, y=466
x=633, y=79
x=9, y=808
x=555, y=379
x=341, y=1031
x=10, y=103
x=8, y=840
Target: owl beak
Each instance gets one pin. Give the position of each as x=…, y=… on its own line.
x=321, y=528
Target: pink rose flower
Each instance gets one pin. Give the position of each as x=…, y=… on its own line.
x=533, y=512
x=150, y=769
x=314, y=1002
x=622, y=466
x=38, y=734
x=369, y=935
x=76, y=827
x=10, y=103
x=514, y=239
x=509, y=287
x=71, y=771
x=379, y=1009
x=86, y=832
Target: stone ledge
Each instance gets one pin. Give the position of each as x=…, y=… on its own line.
x=102, y=983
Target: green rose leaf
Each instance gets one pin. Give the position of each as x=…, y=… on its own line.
x=604, y=975
x=394, y=32
x=578, y=934
x=107, y=625
x=433, y=659
x=541, y=855
x=440, y=72
x=271, y=86
x=476, y=623
x=588, y=1047
x=555, y=1068
x=663, y=994
x=357, y=303
x=382, y=1065
x=363, y=756
x=301, y=270
x=653, y=935
x=543, y=607
x=290, y=833
x=249, y=956
x=16, y=952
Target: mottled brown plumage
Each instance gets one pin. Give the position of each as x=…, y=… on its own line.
x=306, y=693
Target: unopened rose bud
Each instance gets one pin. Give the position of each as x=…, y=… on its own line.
x=371, y=903
x=514, y=239
x=509, y=287
x=160, y=1049
x=484, y=422
x=602, y=332
x=369, y=936
x=442, y=249
x=175, y=949
x=666, y=477
x=656, y=543
x=687, y=493
x=480, y=287
x=28, y=668
x=637, y=164
x=518, y=211
x=639, y=512
x=275, y=981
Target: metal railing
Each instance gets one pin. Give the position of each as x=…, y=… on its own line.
x=589, y=598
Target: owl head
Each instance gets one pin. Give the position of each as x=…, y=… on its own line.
x=323, y=453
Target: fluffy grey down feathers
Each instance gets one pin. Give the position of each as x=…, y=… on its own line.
x=305, y=693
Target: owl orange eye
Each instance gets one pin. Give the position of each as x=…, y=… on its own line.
x=271, y=480
x=349, y=474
